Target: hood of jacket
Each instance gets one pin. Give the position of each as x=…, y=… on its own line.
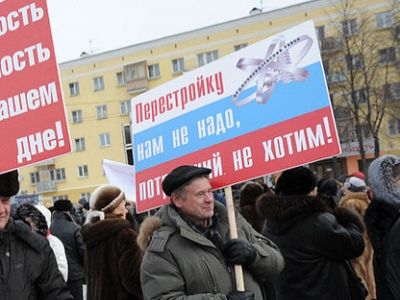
x=284, y=212
x=94, y=233
x=382, y=180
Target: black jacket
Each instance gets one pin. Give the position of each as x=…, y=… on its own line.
x=69, y=233
x=28, y=267
x=382, y=220
x=315, y=243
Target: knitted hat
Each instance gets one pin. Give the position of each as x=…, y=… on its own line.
x=296, y=181
x=327, y=187
x=9, y=184
x=28, y=211
x=106, y=198
x=181, y=175
x=62, y=205
x=355, y=184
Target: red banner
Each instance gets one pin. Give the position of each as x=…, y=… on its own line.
x=33, y=125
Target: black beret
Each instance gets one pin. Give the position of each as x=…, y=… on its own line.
x=181, y=175
x=9, y=184
x=296, y=181
x=62, y=205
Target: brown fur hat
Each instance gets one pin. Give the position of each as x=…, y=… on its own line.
x=106, y=198
x=9, y=184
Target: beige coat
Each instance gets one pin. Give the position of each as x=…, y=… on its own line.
x=362, y=264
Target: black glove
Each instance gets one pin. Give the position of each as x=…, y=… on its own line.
x=240, y=296
x=238, y=252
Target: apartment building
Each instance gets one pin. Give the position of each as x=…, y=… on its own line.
x=98, y=89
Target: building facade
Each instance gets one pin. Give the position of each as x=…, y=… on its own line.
x=98, y=87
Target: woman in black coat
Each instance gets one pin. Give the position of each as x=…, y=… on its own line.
x=113, y=257
x=315, y=241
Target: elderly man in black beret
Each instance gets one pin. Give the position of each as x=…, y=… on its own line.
x=189, y=253
x=28, y=267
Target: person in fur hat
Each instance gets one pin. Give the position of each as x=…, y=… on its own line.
x=189, y=254
x=383, y=224
x=113, y=256
x=315, y=240
x=28, y=267
x=356, y=197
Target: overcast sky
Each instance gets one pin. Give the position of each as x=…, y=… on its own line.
x=100, y=25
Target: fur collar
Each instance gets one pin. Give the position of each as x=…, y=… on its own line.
x=94, y=233
x=359, y=197
x=283, y=212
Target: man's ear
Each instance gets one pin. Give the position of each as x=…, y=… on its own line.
x=176, y=200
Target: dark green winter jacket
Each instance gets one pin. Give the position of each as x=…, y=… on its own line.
x=181, y=263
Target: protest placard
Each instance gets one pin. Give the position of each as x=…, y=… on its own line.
x=33, y=125
x=257, y=111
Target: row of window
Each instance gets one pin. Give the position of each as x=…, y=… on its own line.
x=153, y=71
x=382, y=20
x=59, y=174
x=101, y=111
x=85, y=196
x=104, y=141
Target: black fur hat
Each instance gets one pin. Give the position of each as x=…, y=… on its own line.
x=62, y=205
x=296, y=181
x=9, y=184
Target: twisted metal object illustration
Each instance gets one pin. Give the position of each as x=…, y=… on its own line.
x=277, y=65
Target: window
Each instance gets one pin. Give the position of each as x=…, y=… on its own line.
x=80, y=144
x=178, y=65
x=350, y=27
x=384, y=19
x=35, y=178
x=392, y=91
x=207, y=57
x=354, y=62
x=125, y=106
x=57, y=174
x=361, y=96
x=336, y=77
x=104, y=139
x=153, y=71
x=240, y=46
x=76, y=116
x=120, y=78
x=387, y=55
x=127, y=135
x=320, y=30
x=101, y=111
x=394, y=126
x=98, y=83
x=74, y=89
x=83, y=171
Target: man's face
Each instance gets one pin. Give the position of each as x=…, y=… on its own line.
x=5, y=207
x=199, y=201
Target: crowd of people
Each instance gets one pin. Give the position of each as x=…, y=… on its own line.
x=302, y=238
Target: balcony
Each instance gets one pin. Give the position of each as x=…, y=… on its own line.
x=46, y=163
x=46, y=186
x=136, y=80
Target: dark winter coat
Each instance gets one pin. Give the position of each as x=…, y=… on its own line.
x=181, y=263
x=68, y=232
x=382, y=219
x=28, y=266
x=315, y=244
x=113, y=260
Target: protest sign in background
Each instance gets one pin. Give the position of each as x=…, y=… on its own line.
x=254, y=112
x=33, y=124
x=121, y=175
